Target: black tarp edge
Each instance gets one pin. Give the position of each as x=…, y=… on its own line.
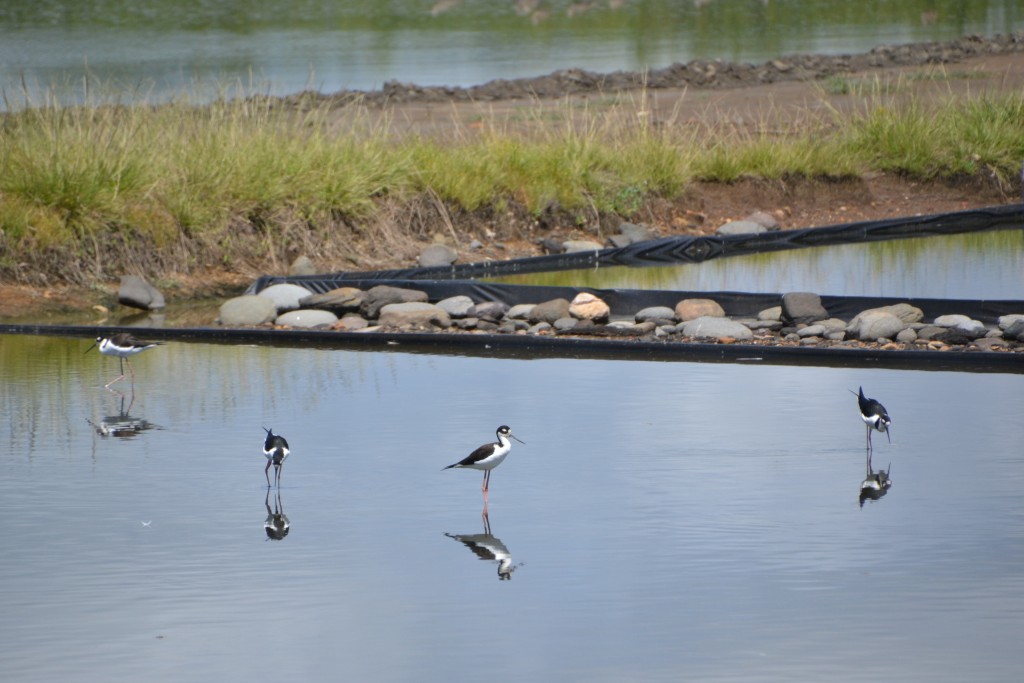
x=540, y=347
x=686, y=249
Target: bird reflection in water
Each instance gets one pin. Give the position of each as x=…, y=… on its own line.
x=276, y=525
x=488, y=547
x=876, y=484
x=123, y=425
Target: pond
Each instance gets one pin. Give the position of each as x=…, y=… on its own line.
x=986, y=265
x=161, y=48
x=663, y=520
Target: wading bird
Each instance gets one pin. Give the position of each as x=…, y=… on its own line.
x=874, y=415
x=275, y=447
x=489, y=456
x=121, y=345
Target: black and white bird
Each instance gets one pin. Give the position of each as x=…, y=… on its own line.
x=874, y=415
x=121, y=345
x=275, y=447
x=489, y=456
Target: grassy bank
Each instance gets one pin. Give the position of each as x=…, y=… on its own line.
x=87, y=193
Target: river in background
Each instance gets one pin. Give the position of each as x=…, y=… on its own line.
x=155, y=49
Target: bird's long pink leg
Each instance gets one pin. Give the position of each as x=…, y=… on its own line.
x=266, y=471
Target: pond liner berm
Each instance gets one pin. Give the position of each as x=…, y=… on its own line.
x=685, y=249
x=627, y=302
x=535, y=347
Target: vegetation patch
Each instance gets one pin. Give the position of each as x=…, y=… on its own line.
x=90, y=192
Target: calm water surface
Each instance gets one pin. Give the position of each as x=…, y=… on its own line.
x=155, y=49
x=971, y=266
x=665, y=521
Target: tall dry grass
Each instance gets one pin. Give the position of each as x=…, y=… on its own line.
x=90, y=191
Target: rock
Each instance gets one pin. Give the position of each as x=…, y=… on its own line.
x=351, y=323
x=549, y=311
x=975, y=329
x=437, y=255
x=691, y=309
x=552, y=245
x=382, y=295
x=802, y=307
x=953, y=337
x=765, y=220
x=832, y=325
x=950, y=320
x=302, y=265
x=1015, y=331
x=876, y=324
x=564, y=324
x=741, y=228
x=811, y=331
x=493, y=311
x=929, y=331
x=586, y=306
x=285, y=296
x=709, y=327
x=540, y=328
x=619, y=241
x=572, y=246
x=342, y=299
x=754, y=324
x=137, y=293
x=456, y=306
x=247, y=310
x=905, y=312
x=990, y=343
x=773, y=313
x=906, y=336
x=1007, y=321
x=625, y=327
x=636, y=232
x=306, y=318
x=519, y=312
x=413, y=314
x=655, y=313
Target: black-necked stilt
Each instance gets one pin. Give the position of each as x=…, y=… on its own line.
x=121, y=345
x=489, y=456
x=874, y=415
x=276, y=449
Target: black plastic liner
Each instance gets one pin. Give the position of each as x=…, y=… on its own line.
x=529, y=347
x=683, y=249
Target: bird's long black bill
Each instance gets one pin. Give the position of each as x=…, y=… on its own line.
x=90, y=348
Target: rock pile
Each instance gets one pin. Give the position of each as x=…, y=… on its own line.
x=799, y=319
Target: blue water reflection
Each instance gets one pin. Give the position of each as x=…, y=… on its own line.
x=164, y=49
x=665, y=518
x=987, y=265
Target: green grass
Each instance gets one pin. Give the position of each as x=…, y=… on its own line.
x=175, y=187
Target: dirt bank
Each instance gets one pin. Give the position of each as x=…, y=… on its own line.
x=774, y=95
